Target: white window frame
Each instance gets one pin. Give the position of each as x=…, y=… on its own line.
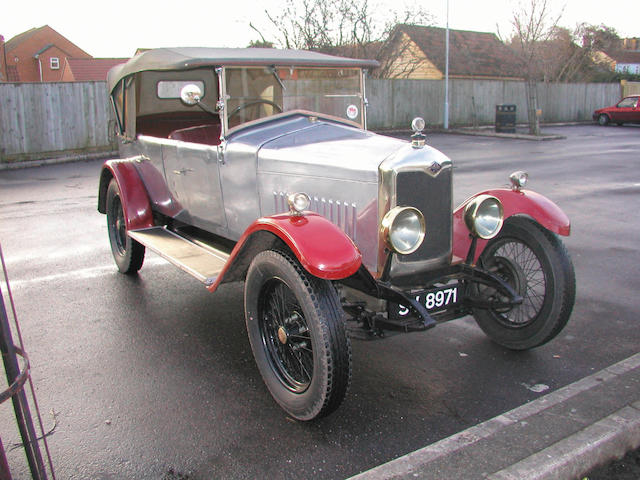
x=54, y=63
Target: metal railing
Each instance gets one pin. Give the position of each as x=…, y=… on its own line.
x=17, y=369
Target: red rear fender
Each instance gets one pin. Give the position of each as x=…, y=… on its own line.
x=135, y=201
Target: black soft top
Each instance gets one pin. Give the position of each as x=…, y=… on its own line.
x=187, y=58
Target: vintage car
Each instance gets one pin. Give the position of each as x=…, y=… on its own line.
x=255, y=165
x=626, y=110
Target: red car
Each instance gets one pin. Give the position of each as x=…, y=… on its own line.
x=627, y=110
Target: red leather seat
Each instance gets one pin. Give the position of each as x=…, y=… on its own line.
x=204, y=134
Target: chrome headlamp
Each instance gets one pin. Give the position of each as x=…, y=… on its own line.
x=484, y=216
x=403, y=229
x=418, y=138
x=298, y=203
x=518, y=180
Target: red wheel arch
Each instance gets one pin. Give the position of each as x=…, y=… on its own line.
x=524, y=202
x=135, y=201
x=320, y=246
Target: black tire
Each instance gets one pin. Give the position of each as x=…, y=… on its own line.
x=536, y=264
x=128, y=254
x=603, y=119
x=297, y=333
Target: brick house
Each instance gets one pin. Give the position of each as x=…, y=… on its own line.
x=627, y=62
x=37, y=55
x=418, y=52
x=621, y=61
x=621, y=58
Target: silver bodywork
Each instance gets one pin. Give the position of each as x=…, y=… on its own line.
x=223, y=154
x=353, y=177
x=349, y=173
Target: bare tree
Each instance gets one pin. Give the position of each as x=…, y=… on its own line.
x=262, y=43
x=533, y=27
x=355, y=28
x=598, y=42
x=599, y=37
x=577, y=55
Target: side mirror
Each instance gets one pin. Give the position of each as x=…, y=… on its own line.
x=190, y=94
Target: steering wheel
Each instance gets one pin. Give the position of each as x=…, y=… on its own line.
x=239, y=108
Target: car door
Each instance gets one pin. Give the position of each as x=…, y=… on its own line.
x=624, y=111
x=635, y=113
x=193, y=177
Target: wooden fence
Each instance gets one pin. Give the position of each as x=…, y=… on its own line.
x=43, y=120
x=630, y=88
x=394, y=103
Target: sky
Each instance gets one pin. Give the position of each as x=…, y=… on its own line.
x=114, y=29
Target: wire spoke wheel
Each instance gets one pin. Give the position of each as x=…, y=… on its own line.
x=519, y=266
x=127, y=253
x=536, y=264
x=286, y=336
x=118, y=225
x=297, y=334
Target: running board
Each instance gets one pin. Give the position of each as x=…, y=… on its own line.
x=203, y=263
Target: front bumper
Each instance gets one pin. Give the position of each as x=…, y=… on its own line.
x=469, y=279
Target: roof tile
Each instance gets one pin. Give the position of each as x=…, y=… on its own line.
x=92, y=69
x=470, y=53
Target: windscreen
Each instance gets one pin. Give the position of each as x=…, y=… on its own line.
x=255, y=93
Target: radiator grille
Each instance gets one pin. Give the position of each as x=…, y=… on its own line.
x=432, y=196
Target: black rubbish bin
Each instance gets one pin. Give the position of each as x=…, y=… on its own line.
x=506, y=118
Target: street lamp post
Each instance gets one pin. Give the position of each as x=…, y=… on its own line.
x=446, y=74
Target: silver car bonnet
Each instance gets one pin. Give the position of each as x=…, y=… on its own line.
x=341, y=168
x=328, y=150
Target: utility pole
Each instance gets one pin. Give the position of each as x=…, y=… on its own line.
x=446, y=74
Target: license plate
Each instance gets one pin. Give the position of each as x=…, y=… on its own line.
x=433, y=300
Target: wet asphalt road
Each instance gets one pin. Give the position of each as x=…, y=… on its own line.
x=153, y=374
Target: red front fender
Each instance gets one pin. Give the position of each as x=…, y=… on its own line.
x=320, y=246
x=133, y=194
x=525, y=202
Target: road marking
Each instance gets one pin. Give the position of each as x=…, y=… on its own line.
x=53, y=253
x=79, y=274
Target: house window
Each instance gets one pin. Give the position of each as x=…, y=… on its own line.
x=54, y=62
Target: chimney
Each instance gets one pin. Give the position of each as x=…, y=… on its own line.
x=3, y=61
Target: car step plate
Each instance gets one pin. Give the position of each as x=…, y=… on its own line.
x=203, y=263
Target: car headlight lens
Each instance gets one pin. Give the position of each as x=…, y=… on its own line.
x=403, y=229
x=298, y=202
x=418, y=124
x=518, y=180
x=484, y=216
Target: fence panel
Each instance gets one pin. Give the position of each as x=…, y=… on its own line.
x=40, y=120
x=44, y=119
x=630, y=88
x=393, y=103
